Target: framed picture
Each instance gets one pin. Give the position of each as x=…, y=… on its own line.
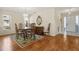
x=6, y=21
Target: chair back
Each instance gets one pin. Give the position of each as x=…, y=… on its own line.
x=20, y=26
x=49, y=27
x=32, y=25
x=16, y=28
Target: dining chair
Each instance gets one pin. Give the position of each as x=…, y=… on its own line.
x=48, y=30
x=19, y=32
x=20, y=25
x=32, y=25
x=28, y=33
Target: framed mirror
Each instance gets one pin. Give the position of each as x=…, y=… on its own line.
x=39, y=20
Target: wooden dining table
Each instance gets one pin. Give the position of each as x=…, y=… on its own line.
x=29, y=31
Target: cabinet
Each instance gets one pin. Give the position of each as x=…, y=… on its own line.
x=39, y=30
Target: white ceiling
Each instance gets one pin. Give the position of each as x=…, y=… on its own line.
x=31, y=10
x=67, y=9
x=28, y=10
x=18, y=9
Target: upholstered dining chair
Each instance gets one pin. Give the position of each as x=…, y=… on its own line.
x=32, y=25
x=28, y=33
x=20, y=25
x=19, y=32
x=48, y=30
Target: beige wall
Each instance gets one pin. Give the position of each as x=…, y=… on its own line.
x=48, y=16
x=15, y=18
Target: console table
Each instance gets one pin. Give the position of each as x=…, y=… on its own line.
x=39, y=30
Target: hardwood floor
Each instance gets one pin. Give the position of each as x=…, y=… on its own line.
x=48, y=43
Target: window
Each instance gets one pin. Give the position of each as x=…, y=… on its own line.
x=77, y=20
x=65, y=33
x=77, y=24
x=65, y=22
x=6, y=21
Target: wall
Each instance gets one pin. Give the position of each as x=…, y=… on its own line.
x=15, y=18
x=48, y=16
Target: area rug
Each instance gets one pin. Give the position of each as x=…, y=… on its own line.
x=24, y=42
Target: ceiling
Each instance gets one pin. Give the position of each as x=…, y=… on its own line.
x=67, y=9
x=31, y=10
x=18, y=9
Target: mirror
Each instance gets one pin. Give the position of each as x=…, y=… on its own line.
x=39, y=20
